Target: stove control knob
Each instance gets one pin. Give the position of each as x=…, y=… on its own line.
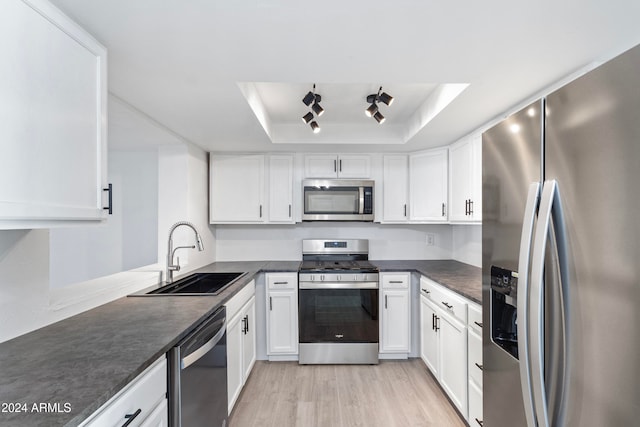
x=312, y=278
x=338, y=278
x=322, y=277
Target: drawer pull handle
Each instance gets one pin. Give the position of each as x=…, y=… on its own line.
x=395, y=281
x=270, y=304
x=280, y=283
x=449, y=306
x=479, y=422
x=131, y=417
x=385, y=301
x=478, y=323
x=426, y=291
x=479, y=366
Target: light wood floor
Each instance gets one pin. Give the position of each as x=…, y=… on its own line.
x=393, y=393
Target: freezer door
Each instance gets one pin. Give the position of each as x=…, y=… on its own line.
x=593, y=153
x=511, y=162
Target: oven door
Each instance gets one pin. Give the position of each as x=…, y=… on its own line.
x=338, y=315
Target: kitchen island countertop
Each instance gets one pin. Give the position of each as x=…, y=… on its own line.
x=86, y=359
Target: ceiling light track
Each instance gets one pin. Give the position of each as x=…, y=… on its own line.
x=313, y=100
x=373, y=100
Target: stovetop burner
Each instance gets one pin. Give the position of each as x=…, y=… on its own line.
x=352, y=266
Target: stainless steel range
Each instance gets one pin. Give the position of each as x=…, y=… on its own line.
x=338, y=303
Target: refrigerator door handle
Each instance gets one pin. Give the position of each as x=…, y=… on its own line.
x=549, y=198
x=523, y=302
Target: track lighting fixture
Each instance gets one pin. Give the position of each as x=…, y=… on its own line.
x=386, y=98
x=373, y=99
x=373, y=108
x=313, y=98
x=317, y=109
x=307, y=117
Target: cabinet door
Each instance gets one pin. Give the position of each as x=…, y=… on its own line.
x=453, y=360
x=395, y=188
x=354, y=166
x=249, y=339
x=53, y=82
x=475, y=406
x=396, y=318
x=282, y=333
x=159, y=417
x=236, y=188
x=281, y=188
x=460, y=165
x=476, y=178
x=428, y=186
x=429, y=342
x=235, y=371
x=321, y=166
x=475, y=357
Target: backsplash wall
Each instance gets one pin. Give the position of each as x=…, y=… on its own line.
x=284, y=242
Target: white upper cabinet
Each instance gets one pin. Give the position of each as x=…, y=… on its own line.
x=236, y=188
x=428, y=186
x=465, y=178
x=395, y=188
x=337, y=166
x=281, y=188
x=54, y=130
x=250, y=188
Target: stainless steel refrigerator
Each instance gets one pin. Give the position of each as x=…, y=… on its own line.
x=561, y=256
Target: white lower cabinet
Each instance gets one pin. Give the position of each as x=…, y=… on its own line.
x=395, y=309
x=282, y=315
x=241, y=340
x=475, y=365
x=443, y=319
x=143, y=401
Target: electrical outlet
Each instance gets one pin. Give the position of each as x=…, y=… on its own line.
x=431, y=239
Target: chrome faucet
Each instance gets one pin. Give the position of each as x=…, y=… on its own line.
x=171, y=267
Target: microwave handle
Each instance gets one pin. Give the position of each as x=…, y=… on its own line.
x=361, y=204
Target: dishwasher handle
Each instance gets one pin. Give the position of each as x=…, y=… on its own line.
x=196, y=355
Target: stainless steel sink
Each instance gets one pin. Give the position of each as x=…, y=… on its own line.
x=199, y=284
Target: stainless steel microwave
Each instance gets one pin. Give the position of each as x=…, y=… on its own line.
x=337, y=200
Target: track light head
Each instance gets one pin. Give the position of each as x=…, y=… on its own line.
x=386, y=98
x=371, y=110
x=315, y=127
x=308, y=98
x=379, y=117
x=307, y=117
x=317, y=109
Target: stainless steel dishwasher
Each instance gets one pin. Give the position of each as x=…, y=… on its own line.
x=198, y=376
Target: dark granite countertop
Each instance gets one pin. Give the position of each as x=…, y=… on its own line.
x=86, y=359
x=462, y=278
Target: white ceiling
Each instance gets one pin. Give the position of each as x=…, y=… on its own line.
x=183, y=62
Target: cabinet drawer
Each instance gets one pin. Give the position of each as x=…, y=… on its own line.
x=475, y=357
x=475, y=406
x=395, y=280
x=444, y=299
x=475, y=318
x=240, y=299
x=143, y=394
x=282, y=280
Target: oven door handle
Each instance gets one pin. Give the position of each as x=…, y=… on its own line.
x=338, y=285
x=199, y=353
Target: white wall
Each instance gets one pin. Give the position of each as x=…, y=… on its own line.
x=284, y=242
x=128, y=240
x=183, y=181
x=467, y=244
